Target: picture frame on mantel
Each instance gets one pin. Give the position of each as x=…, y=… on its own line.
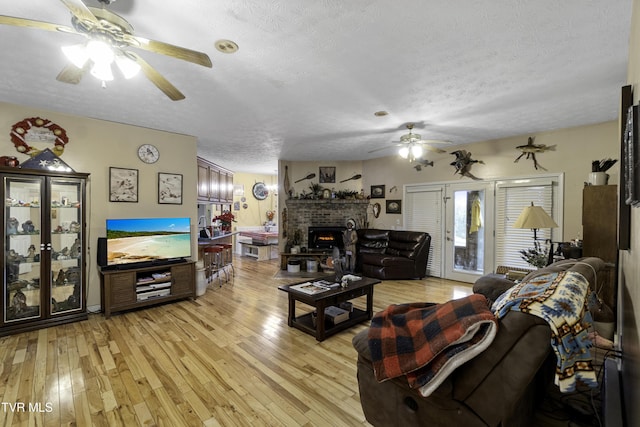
x=123, y=185
x=169, y=188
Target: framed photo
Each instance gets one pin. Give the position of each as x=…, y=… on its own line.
x=631, y=160
x=394, y=206
x=123, y=185
x=169, y=188
x=624, y=210
x=327, y=174
x=377, y=191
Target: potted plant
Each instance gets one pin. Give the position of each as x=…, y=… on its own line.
x=535, y=256
x=225, y=219
x=295, y=240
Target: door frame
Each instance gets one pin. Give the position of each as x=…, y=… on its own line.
x=488, y=221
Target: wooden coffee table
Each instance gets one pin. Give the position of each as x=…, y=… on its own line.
x=325, y=299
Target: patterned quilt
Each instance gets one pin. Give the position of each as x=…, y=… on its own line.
x=560, y=299
x=426, y=341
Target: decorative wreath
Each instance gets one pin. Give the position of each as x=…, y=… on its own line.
x=19, y=132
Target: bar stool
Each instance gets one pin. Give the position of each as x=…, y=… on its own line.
x=227, y=257
x=213, y=262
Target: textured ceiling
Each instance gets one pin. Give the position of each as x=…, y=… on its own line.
x=310, y=74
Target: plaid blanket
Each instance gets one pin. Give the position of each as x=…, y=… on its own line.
x=426, y=341
x=560, y=299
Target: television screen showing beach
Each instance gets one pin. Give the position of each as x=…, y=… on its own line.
x=147, y=239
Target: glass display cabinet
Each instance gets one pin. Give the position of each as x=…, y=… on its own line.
x=43, y=265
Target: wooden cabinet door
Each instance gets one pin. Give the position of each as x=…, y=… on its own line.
x=183, y=280
x=203, y=182
x=214, y=184
x=224, y=187
x=599, y=221
x=121, y=289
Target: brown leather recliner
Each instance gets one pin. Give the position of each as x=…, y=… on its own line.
x=392, y=254
x=499, y=387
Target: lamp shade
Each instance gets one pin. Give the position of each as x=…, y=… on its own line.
x=534, y=217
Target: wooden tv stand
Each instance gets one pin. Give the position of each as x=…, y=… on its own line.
x=141, y=287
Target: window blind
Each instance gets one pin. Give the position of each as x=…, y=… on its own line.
x=511, y=198
x=423, y=212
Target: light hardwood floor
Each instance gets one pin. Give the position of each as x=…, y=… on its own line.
x=227, y=358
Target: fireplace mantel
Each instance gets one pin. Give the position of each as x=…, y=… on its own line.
x=332, y=202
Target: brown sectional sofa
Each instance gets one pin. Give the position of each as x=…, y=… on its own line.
x=499, y=387
x=392, y=254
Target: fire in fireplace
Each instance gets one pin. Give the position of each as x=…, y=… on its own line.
x=325, y=238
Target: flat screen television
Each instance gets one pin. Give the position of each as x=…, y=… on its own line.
x=137, y=242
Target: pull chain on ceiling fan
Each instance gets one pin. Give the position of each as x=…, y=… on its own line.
x=109, y=38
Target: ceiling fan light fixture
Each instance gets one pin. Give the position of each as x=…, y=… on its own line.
x=102, y=71
x=100, y=52
x=404, y=152
x=127, y=66
x=416, y=151
x=76, y=54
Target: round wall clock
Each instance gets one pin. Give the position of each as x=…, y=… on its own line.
x=260, y=191
x=148, y=153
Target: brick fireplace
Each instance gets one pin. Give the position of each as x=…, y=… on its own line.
x=325, y=212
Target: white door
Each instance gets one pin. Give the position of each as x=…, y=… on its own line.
x=424, y=211
x=469, y=237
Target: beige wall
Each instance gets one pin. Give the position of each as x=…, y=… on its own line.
x=298, y=170
x=574, y=150
x=630, y=259
x=255, y=213
x=93, y=147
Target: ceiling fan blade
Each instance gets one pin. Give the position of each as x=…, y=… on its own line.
x=385, y=148
x=169, y=50
x=29, y=23
x=435, y=141
x=80, y=11
x=378, y=149
x=157, y=79
x=434, y=149
x=71, y=74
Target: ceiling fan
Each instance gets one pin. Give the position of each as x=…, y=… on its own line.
x=412, y=145
x=109, y=38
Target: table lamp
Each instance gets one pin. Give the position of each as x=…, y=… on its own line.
x=535, y=217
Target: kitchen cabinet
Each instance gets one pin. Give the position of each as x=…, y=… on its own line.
x=215, y=184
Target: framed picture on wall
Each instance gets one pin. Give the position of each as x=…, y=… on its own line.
x=123, y=185
x=624, y=210
x=394, y=206
x=377, y=191
x=327, y=174
x=631, y=160
x=169, y=188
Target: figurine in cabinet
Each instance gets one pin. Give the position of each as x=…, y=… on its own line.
x=12, y=225
x=60, y=280
x=31, y=253
x=19, y=302
x=74, y=252
x=28, y=227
